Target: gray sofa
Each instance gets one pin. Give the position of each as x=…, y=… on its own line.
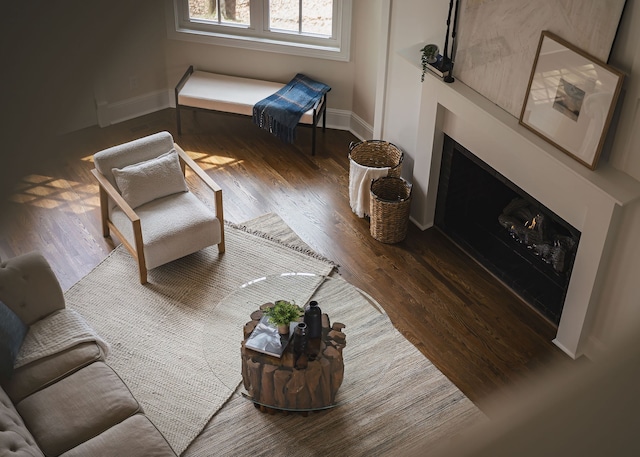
x=69, y=403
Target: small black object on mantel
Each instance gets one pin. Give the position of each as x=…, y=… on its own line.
x=447, y=62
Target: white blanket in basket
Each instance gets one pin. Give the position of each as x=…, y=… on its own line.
x=360, y=178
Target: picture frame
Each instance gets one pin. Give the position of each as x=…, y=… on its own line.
x=570, y=99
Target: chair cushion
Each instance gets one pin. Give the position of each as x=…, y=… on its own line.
x=172, y=227
x=132, y=152
x=145, y=181
x=12, y=333
x=134, y=437
x=15, y=438
x=77, y=408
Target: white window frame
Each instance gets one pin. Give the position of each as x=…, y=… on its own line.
x=179, y=27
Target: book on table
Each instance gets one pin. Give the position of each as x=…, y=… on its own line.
x=265, y=338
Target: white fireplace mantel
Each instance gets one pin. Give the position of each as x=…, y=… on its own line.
x=589, y=200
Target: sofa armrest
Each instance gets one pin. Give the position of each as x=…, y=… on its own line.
x=29, y=287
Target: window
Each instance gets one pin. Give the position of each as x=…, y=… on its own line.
x=317, y=28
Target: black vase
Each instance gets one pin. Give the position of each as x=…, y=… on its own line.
x=300, y=339
x=313, y=319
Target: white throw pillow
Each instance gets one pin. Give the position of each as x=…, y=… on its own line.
x=145, y=181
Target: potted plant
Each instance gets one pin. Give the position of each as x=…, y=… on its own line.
x=283, y=313
x=429, y=56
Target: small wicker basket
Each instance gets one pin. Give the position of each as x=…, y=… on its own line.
x=377, y=154
x=389, y=209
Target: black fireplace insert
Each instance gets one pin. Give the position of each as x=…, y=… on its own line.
x=515, y=237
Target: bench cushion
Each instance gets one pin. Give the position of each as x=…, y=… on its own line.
x=230, y=94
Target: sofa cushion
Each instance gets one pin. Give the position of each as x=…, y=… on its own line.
x=136, y=436
x=12, y=333
x=77, y=408
x=146, y=181
x=15, y=438
x=47, y=370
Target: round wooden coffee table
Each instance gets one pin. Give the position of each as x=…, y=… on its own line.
x=347, y=364
x=306, y=381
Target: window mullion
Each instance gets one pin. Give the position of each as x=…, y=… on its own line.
x=260, y=15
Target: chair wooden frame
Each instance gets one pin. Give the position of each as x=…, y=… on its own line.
x=108, y=191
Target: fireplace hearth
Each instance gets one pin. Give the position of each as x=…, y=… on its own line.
x=523, y=243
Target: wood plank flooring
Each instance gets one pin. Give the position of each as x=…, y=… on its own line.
x=473, y=329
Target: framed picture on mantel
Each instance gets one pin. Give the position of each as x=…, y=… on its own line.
x=570, y=99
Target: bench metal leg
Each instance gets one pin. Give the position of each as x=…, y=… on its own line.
x=313, y=140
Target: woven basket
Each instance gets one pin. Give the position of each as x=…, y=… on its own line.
x=389, y=209
x=377, y=154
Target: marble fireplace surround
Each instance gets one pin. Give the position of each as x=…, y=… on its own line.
x=591, y=201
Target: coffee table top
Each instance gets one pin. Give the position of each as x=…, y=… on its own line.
x=363, y=317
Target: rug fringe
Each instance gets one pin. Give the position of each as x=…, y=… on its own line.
x=307, y=251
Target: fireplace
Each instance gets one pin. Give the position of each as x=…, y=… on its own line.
x=589, y=201
x=523, y=243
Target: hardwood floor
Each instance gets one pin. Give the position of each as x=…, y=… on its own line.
x=473, y=329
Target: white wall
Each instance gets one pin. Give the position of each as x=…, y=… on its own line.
x=368, y=17
x=117, y=62
x=131, y=78
x=412, y=22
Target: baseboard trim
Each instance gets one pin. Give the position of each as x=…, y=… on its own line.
x=338, y=119
x=113, y=113
x=360, y=128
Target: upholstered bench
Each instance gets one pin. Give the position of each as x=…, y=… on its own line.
x=201, y=90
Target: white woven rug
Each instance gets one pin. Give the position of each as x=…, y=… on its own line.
x=393, y=401
x=156, y=330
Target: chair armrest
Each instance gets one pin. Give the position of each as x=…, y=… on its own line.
x=111, y=191
x=197, y=169
x=217, y=190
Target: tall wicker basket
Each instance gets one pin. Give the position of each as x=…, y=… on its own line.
x=390, y=203
x=377, y=154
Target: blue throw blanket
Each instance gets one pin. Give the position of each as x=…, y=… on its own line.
x=280, y=113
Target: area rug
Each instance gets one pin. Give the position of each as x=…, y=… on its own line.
x=392, y=401
x=155, y=331
x=397, y=403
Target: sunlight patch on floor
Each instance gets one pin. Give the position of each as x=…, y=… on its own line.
x=54, y=193
x=209, y=161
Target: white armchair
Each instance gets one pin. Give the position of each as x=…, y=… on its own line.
x=145, y=201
